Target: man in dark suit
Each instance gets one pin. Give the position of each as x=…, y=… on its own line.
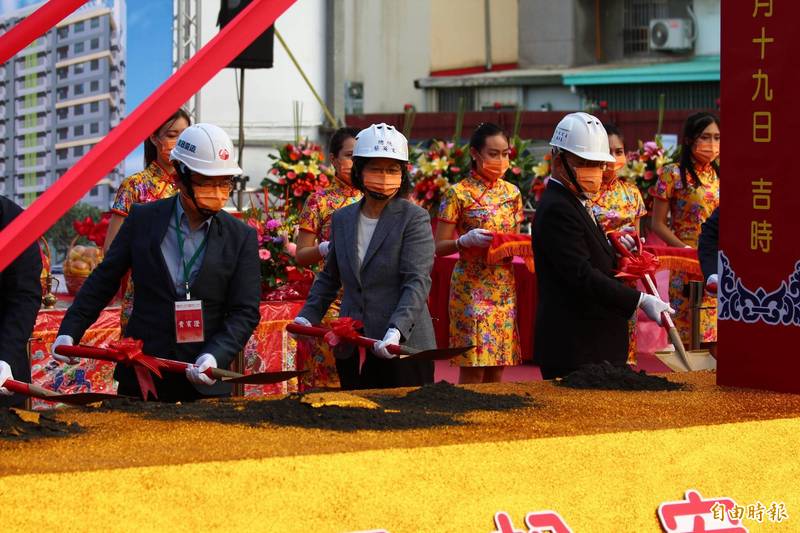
x=583, y=311
x=181, y=251
x=707, y=248
x=20, y=298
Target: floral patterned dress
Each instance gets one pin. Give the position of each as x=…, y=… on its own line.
x=689, y=207
x=483, y=303
x=619, y=205
x=151, y=184
x=316, y=218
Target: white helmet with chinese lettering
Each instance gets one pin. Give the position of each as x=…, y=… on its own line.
x=207, y=150
x=381, y=140
x=583, y=135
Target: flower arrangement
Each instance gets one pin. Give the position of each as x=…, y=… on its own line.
x=434, y=170
x=644, y=167
x=281, y=278
x=296, y=173
x=522, y=171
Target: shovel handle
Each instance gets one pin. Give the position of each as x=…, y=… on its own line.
x=365, y=342
x=28, y=389
x=672, y=331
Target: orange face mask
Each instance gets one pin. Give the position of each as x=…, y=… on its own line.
x=344, y=171
x=382, y=182
x=165, y=148
x=209, y=198
x=705, y=152
x=493, y=169
x=610, y=174
x=589, y=178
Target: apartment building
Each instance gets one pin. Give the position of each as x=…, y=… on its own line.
x=60, y=96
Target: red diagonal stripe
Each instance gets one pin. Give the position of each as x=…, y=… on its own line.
x=34, y=25
x=99, y=161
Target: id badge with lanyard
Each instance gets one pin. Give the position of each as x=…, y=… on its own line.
x=188, y=312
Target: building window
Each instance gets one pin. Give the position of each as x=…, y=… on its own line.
x=78, y=109
x=79, y=130
x=94, y=64
x=79, y=26
x=94, y=86
x=79, y=68
x=61, y=153
x=79, y=48
x=636, y=29
x=94, y=44
x=62, y=133
x=94, y=22
x=94, y=107
x=94, y=192
x=61, y=93
x=77, y=151
x=63, y=32
x=62, y=113
x=62, y=73
x=62, y=52
x=78, y=88
x=94, y=127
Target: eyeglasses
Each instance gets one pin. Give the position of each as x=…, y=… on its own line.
x=216, y=184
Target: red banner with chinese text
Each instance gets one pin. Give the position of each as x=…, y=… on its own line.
x=759, y=286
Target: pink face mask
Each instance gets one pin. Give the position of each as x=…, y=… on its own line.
x=705, y=152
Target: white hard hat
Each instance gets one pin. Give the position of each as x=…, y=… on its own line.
x=583, y=135
x=381, y=140
x=207, y=150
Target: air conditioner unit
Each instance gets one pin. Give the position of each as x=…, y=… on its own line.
x=671, y=34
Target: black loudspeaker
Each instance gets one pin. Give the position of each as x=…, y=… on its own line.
x=259, y=53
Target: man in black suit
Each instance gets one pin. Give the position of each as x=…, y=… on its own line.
x=583, y=311
x=182, y=252
x=707, y=248
x=20, y=298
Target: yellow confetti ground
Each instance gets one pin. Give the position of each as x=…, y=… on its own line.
x=599, y=480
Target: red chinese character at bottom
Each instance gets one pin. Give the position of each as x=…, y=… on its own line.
x=689, y=515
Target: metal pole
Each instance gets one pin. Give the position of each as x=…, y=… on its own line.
x=328, y=115
x=488, y=33
x=241, y=180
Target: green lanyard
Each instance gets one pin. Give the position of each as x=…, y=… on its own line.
x=187, y=267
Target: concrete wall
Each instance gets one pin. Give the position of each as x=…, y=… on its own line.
x=546, y=32
x=708, y=32
x=458, y=35
x=387, y=47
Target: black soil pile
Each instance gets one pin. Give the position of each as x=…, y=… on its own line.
x=427, y=407
x=443, y=397
x=605, y=376
x=18, y=424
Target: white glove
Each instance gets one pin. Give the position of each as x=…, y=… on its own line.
x=379, y=348
x=654, y=306
x=629, y=242
x=5, y=373
x=323, y=248
x=195, y=372
x=475, y=238
x=712, y=283
x=63, y=340
x=303, y=321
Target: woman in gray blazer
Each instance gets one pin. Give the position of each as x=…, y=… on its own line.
x=381, y=252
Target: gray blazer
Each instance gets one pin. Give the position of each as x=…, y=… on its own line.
x=392, y=287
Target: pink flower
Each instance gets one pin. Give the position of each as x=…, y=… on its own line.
x=291, y=248
x=264, y=255
x=516, y=171
x=272, y=224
